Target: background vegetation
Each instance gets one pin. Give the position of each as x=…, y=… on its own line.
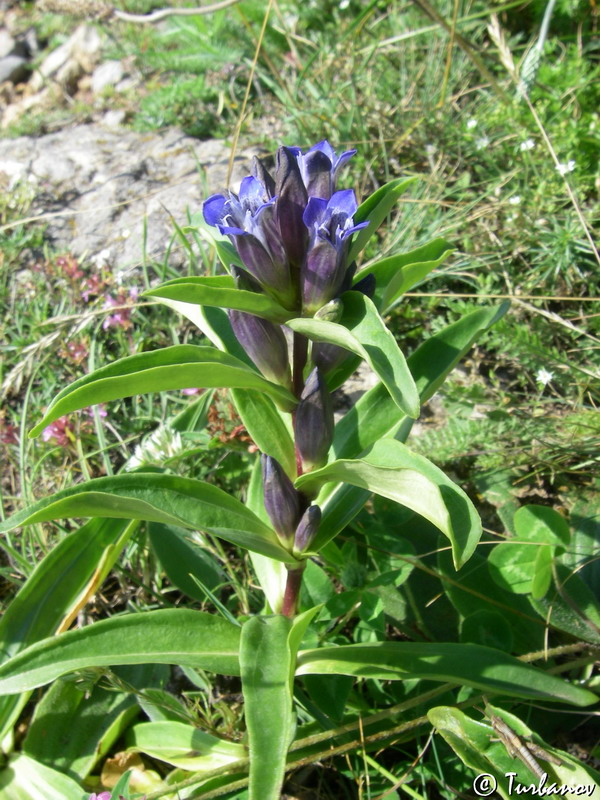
x=502, y=125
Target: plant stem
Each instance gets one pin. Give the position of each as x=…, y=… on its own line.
x=292, y=591
x=299, y=356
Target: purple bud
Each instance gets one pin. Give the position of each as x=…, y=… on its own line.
x=313, y=422
x=282, y=501
x=327, y=356
x=307, y=528
x=366, y=285
x=265, y=343
x=322, y=275
x=290, y=205
x=261, y=173
x=317, y=171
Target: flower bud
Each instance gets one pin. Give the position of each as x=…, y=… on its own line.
x=265, y=343
x=261, y=174
x=331, y=311
x=307, y=528
x=313, y=422
x=290, y=204
x=317, y=170
x=322, y=275
x=282, y=501
x=327, y=356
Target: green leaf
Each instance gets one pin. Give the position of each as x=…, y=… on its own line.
x=375, y=415
x=571, y=606
x=99, y=717
x=489, y=628
x=525, y=566
x=53, y=593
x=477, y=744
x=375, y=209
x=391, y=470
x=220, y=291
x=466, y=664
x=182, y=558
x=183, y=746
x=266, y=427
x=266, y=664
x=168, y=636
x=399, y=273
x=362, y=331
x=183, y=366
x=25, y=779
x=158, y=498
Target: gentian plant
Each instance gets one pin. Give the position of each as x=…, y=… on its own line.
x=286, y=324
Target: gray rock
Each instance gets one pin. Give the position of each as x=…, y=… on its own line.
x=107, y=74
x=97, y=184
x=78, y=54
x=7, y=43
x=13, y=68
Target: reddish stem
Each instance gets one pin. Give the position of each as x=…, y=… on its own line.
x=292, y=592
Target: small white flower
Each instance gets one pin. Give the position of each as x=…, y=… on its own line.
x=102, y=259
x=430, y=149
x=528, y=144
x=515, y=200
x=344, y=5
x=563, y=169
x=159, y=446
x=543, y=376
x=481, y=143
x=471, y=123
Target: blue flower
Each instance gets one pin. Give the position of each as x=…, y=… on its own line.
x=249, y=222
x=319, y=168
x=330, y=224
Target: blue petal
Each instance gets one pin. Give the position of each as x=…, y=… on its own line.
x=213, y=209
x=252, y=194
x=343, y=203
x=228, y=230
x=349, y=231
x=326, y=148
x=314, y=212
x=343, y=158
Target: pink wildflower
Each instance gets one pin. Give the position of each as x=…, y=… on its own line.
x=60, y=431
x=190, y=391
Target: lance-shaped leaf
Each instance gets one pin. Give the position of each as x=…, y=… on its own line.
x=24, y=778
x=466, y=664
x=481, y=747
x=266, y=427
x=183, y=745
x=53, y=594
x=158, y=498
x=220, y=291
x=183, y=366
x=399, y=273
x=362, y=331
x=376, y=416
x=391, y=470
x=374, y=210
x=266, y=666
x=168, y=636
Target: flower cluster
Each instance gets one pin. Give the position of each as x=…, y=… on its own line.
x=292, y=232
